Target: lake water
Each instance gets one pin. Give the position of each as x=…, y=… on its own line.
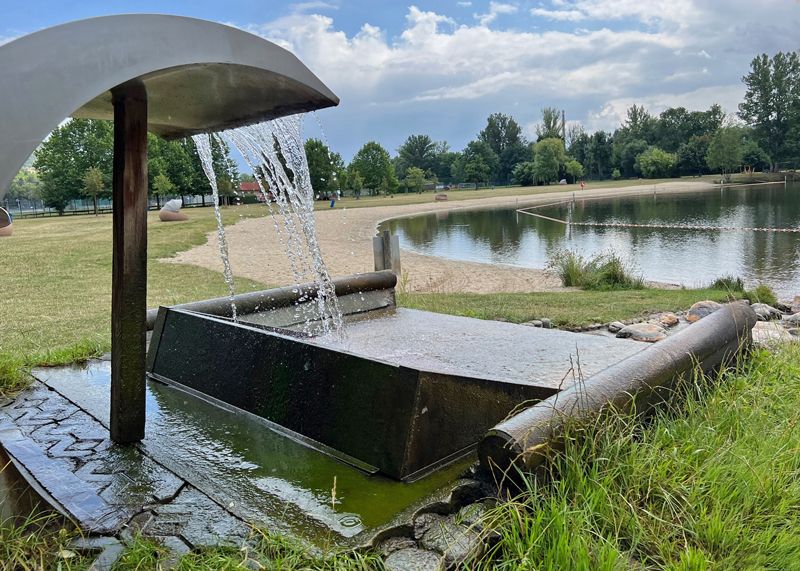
x=688, y=257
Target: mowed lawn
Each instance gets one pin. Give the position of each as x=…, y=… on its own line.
x=55, y=280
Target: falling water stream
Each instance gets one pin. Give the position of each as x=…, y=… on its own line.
x=274, y=152
x=203, y=144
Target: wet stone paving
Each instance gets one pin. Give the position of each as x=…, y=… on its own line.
x=107, y=488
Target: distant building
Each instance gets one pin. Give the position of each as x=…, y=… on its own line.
x=251, y=189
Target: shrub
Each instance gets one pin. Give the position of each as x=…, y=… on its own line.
x=761, y=294
x=600, y=272
x=570, y=267
x=728, y=283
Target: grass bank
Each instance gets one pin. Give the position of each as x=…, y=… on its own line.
x=566, y=309
x=712, y=484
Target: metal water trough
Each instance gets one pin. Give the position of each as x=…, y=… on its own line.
x=403, y=421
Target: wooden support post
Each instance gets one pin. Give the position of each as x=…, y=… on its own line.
x=129, y=279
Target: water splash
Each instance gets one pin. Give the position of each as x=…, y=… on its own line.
x=203, y=145
x=275, y=153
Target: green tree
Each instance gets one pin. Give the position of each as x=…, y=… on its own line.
x=479, y=162
x=373, y=163
x=476, y=170
x=443, y=161
x=754, y=156
x=94, y=185
x=524, y=174
x=626, y=154
x=771, y=103
x=355, y=181
x=549, y=155
x=550, y=127
x=573, y=169
x=25, y=185
x=599, y=159
x=655, y=163
x=416, y=151
x=388, y=185
x=322, y=166
x=503, y=136
x=63, y=159
x=162, y=187
x=676, y=125
x=501, y=132
x=195, y=181
x=691, y=156
x=173, y=160
x=725, y=151
x=639, y=124
x=225, y=168
x=415, y=179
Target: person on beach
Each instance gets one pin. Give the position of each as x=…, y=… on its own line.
x=583, y=185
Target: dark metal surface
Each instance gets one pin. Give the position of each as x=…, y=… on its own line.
x=479, y=348
x=639, y=381
x=402, y=420
x=200, y=76
x=271, y=299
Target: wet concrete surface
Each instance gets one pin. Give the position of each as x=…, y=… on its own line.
x=241, y=464
x=479, y=348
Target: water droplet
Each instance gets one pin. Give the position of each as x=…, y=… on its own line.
x=350, y=521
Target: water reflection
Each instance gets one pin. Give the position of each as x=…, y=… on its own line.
x=688, y=257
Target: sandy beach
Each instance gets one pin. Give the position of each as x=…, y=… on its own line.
x=345, y=238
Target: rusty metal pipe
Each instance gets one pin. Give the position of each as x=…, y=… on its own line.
x=266, y=300
x=525, y=440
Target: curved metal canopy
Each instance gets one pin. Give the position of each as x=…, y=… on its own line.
x=200, y=76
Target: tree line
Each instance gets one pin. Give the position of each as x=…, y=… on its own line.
x=76, y=159
x=764, y=135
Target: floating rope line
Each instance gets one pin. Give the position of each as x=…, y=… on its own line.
x=654, y=226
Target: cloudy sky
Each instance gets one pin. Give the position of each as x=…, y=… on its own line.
x=440, y=67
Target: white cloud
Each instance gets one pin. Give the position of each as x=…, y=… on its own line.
x=444, y=78
x=495, y=9
x=560, y=15
x=300, y=7
x=464, y=4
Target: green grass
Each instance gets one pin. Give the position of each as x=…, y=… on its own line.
x=56, y=285
x=761, y=294
x=39, y=541
x=267, y=551
x=602, y=272
x=711, y=484
x=566, y=309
